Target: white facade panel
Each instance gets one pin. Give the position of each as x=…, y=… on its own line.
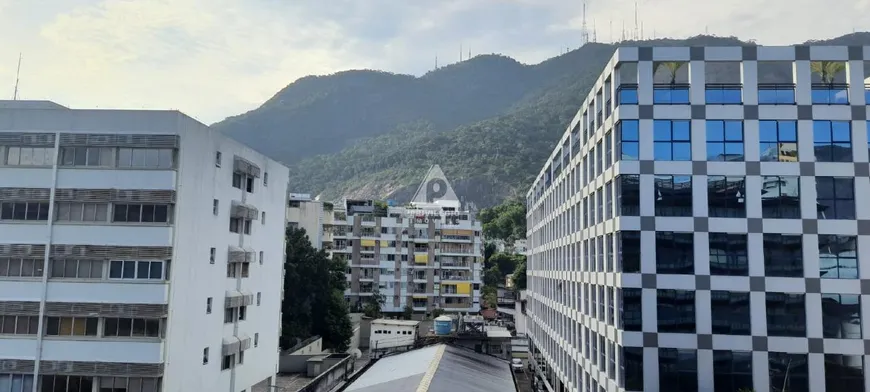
x=129, y=292
x=102, y=351
x=116, y=179
x=112, y=235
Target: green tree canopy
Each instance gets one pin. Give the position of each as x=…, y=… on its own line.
x=493, y=276
x=519, y=276
x=313, y=295
x=506, y=221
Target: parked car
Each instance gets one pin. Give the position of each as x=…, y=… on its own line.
x=517, y=365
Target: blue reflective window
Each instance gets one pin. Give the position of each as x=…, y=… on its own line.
x=775, y=95
x=826, y=95
x=724, y=140
x=671, y=95
x=724, y=95
x=629, y=140
x=778, y=140
x=627, y=96
x=832, y=141
x=672, y=140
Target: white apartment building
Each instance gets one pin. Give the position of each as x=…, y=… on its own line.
x=139, y=251
x=699, y=227
x=426, y=255
x=313, y=215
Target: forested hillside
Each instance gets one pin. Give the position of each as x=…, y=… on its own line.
x=489, y=122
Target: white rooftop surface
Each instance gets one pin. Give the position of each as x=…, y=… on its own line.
x=397, y=367
x=395, y=322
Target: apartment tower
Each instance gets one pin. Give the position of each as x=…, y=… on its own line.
x=139, y=251
x=698, y=227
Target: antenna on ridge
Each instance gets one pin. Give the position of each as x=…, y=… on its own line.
x=17, y=78
x=635, y=20
x=594, y=32
x=584, y=32
x=460, y=52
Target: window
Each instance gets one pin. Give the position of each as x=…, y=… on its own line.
x=835, y=197
x=780, y=197
x=676, y=311
x=265, y=179
x=678, y=370
x=627, y=95
x=76, y=269
x=263, y=218
x=87, y=156
x=628, y=194
x=723, y=94
x=256, y=339
x=673, y=195
x=730, y=312
x=789, y=372
x=728, y=254
x=832, y=141
x=673, y=140
x=632, y=360
x=669, y=94
x=20, y=268
x=146, y=158
x=232, y=270
x=19, y=325
x=243, y=312
x=241, y=359
x=81, y=212
x=240, y=180
x=783, y=256
x=30, y=156
x=778, y=140
x=632, y=310
x=238, y=224
x=726, y=197
x=675, y=253
x=217, y=158
x=844, y=372
x=629, y=140
x=724, y=140
x=838, y=256
x=228, y=361
x=70, y=384
x=141, y=213
x=261, y=257
x=732, y=370
x=131, y=327
x=71, y=326
x=776, y=94
x=16, y=382
x=24, y=211
x=205, y=350
x=786, y=315
x=629, y=251
x=258, y=298
x=215, y=207
x=608, y=150
x=841, y=316
x=129, y=269
x=212, y=253
x=208, y=304
x=128, y=384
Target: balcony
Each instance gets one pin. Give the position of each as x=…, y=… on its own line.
x=723, y=94
x=671, y=94
x=830, y=94
x=776, y=94
x=627, y=94
x=454, y=277
x=456, y=305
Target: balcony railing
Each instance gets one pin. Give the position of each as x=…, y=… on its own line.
x=776, y=94
x=671, y=94
x=627, y=94
x=723, y=94
x=830, y=94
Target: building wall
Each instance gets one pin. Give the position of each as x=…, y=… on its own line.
x=309, y=216
x=391, y=335
x=583, y=324
x=180, y=301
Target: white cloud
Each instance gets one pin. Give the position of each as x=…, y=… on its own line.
x=215, y=58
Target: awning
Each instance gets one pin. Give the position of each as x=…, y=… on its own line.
x=244, y=341
x=230, y=346
x=242, y=210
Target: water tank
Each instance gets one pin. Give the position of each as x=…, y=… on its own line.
x=443, y=325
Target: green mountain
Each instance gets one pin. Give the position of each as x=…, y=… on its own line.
x=490, y=122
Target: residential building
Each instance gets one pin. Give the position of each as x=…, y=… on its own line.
x=139, y=251
x=426, y=255
x=696, y=227
x=313, y=215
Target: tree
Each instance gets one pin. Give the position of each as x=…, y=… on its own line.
x=493, y=276
x=506, y=221
x=373, y=305
x=437, y=312
x=490, y=296
x=506, y=263
x=488, y=250
x=313, y=295
x=519, y=276
x=673, y=67
x=827, y=70
x=407, y=312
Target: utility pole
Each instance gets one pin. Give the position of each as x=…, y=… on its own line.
x=17, y=78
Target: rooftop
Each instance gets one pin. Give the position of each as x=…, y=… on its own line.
x=395, y=322
x=439, y=368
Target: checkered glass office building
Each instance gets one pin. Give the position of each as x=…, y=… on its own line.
x=703, y=225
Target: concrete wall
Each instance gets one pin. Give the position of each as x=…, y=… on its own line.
x=288, y=364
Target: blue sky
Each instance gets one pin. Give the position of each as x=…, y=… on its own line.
x=216, y=58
